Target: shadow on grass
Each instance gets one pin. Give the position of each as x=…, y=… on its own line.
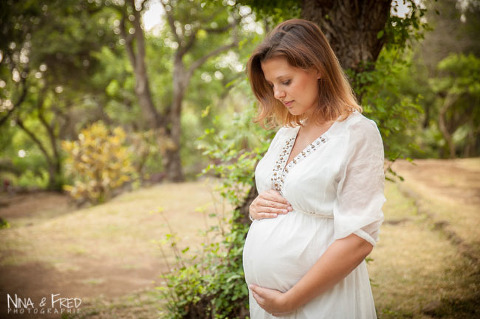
x=455, y=308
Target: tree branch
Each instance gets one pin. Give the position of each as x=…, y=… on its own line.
x=48, y=128
x=220, y=29
x=138, y=34
x=34, y=139
x=21, y=99
x=142, y=5
x=450, y=99
x=195, y=65
x=128, y=39
x=171, y=22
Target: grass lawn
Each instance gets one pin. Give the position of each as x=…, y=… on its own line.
x=424, y=266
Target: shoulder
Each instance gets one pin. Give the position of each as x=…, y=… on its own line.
x=357, y=120
x=360, y=137
x=358, y=126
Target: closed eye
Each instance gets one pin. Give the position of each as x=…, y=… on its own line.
x=286, y=83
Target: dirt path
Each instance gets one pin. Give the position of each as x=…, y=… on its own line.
x=95, y=254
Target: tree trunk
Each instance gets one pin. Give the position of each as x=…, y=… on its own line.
x=244, y=208
x=468, y=149
x=351, y=27
x=426, y=119
x=137, y=60
x=173, y=161
x=55, y=182
x=442, y=124
x=54, y=165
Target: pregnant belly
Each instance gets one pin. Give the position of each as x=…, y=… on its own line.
x=278, y=252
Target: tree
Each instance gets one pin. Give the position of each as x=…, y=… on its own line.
x=356, y=30
x=16, y=24
x=45, y=43
x=451, y=32
x=451, y=46
x=192, y=25
x=458, y=89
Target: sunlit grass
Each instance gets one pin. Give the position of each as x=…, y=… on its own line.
x=415, y=265
x=131, y=222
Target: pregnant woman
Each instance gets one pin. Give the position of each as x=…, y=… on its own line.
x=320, y=184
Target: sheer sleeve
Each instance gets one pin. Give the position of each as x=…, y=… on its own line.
x=360, y=193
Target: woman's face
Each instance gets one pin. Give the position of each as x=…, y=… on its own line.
x=296, y=88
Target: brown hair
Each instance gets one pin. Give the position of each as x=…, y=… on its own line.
x=304, y=46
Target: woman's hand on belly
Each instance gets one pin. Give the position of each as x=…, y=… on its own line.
x=271, y=300
x=269, y=204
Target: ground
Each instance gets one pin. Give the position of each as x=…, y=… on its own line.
x=426, y=264
x=99, y=253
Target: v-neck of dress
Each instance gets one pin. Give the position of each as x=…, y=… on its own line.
x=281, y=168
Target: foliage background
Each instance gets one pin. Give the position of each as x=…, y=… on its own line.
x=423, y=90
x=65, y=65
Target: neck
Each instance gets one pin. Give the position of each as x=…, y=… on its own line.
x=316, y=123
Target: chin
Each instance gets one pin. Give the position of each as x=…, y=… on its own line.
x=296, y=113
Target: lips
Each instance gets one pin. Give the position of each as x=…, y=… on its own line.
x=287, y=103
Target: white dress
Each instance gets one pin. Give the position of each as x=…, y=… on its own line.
x=335, y=186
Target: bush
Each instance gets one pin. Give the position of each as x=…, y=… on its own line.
x=98, y=163
x=214, y=287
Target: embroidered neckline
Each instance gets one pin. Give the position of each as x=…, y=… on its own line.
x=281, y=169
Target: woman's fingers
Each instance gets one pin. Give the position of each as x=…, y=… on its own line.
x=266, y=215
x=269, y=299
x=273, y=202
x=275, y=196
x=273, y=210
x=269, y=204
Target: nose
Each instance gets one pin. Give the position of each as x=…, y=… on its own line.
x=278, y=93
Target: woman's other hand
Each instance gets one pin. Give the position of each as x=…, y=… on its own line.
x=269, y=204
x=272, y=301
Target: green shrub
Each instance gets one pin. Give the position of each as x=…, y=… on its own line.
x=214, y=286
x=4, y=224
x=98, y=163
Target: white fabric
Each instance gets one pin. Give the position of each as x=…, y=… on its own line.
x=335, y=190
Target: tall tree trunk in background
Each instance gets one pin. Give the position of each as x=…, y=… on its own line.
x=55, y=181
x=443, y=126
x=351, y=27
x=173, y=163
x=136, y=54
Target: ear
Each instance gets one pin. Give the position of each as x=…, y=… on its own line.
x=318, y=74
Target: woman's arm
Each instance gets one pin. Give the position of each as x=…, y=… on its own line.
x=341, y=258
